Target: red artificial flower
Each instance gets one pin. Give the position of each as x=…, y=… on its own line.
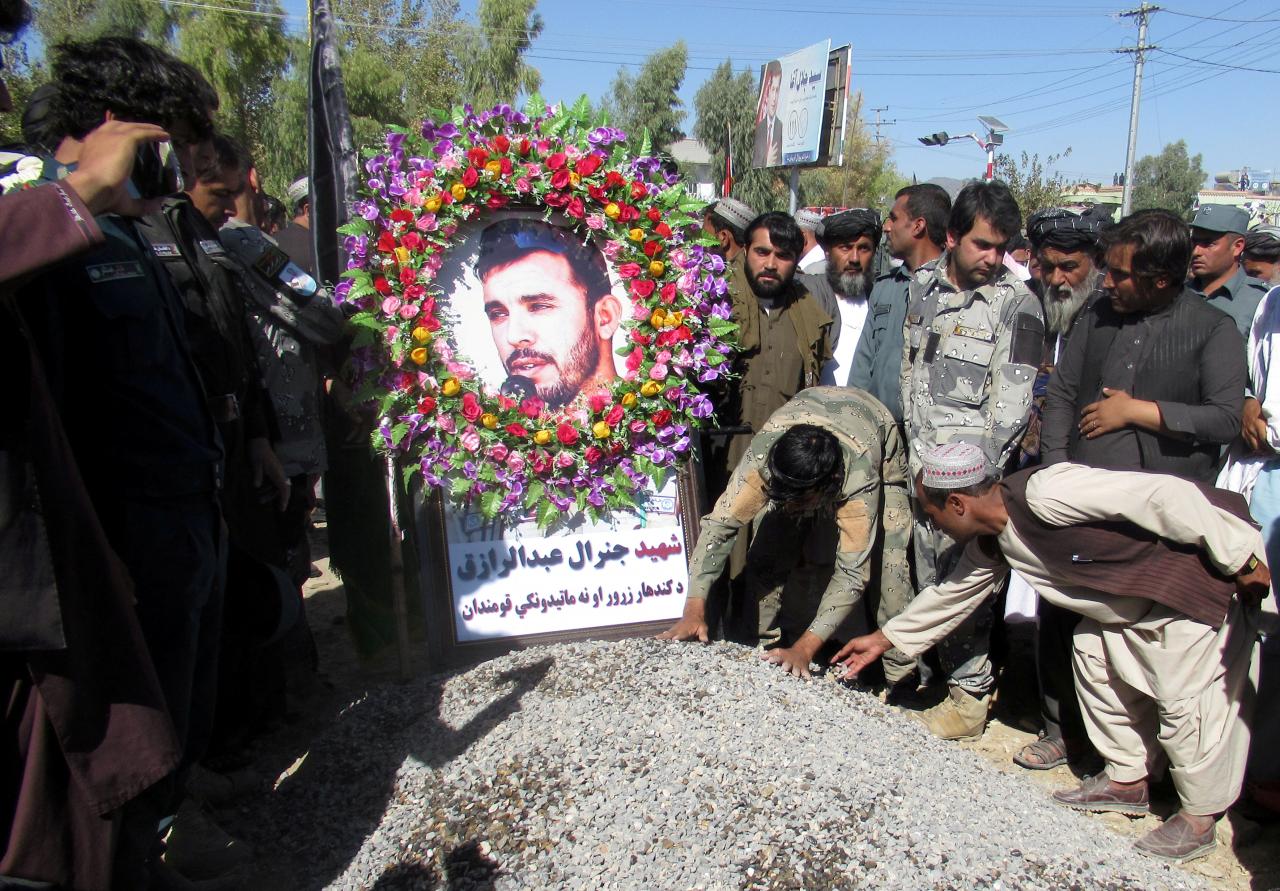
x=415, y=292
x=652, y=249
x=654, y=214
x=560, y=178
x=401, y=216
x=496, y=201
x=477, y=156
x=541, y=463
x=615, y=415
x=662, y=417
x=381, y=285
x=598, y=193
x=405, y=380
x=517, y=430
x=567, y=433
x=668, y=293
x=576, y=208
x=597, y=402
x=613, y=179
x=557, y=161
x=505, y=166
x=588, y=165
x=629, y=270
x=430, y=322
x=531, y=406
x=470, y=177
x=471, y=409
x=593, y=454
x=523, y=147
x=672, y=336
x=555, y=199
x=674, y=394
x=615, y=448
x=663, y=229
x=386, y=241
x=635, y=358
x=446, y=197
x=627, y=213
x=426, y=405
x=501, y=144
x=411, y=241
x=638, y=190
x=408, y=275
x=642, y=339
x=642, y=288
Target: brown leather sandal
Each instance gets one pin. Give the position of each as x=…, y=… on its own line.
x=1045, y=753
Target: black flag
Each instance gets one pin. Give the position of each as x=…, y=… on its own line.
x=330, y=146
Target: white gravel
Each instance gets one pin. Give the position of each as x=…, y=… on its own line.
x=651, y=765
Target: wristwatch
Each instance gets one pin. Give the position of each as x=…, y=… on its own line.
x=1249, y=566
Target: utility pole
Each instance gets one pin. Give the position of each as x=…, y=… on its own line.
x=879, y=123
x=1142, y=13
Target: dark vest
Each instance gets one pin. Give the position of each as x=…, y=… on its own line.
x=1170, y=371
x=1120, y=557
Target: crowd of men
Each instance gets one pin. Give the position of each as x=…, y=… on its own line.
x=898, y=457
x=161, y=445
x=1092, y=426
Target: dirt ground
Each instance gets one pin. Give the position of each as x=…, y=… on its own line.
x=1247, y=859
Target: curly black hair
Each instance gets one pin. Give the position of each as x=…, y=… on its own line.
x=805, y=460
x=133, y=80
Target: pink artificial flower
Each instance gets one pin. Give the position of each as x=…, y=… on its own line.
x=596, y=221
x=658, y=372
x=391, y=305
x=612, y=250
x=523, y=186
x=408, y=311
x=498, y=452
x=564, y=459
x=663, y=356
x=426, y=222
x=447, y=423
x=470, y=440
x=515, y=462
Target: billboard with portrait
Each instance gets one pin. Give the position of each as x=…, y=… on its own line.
x=790, y=107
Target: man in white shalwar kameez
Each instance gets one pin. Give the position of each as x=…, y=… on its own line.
x=1164, y=671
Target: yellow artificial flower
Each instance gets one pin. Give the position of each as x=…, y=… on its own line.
x=489, y=419
x=418, y=355
x=451, y=387
x=636, y=234
x=611, y=210
x=402, y=255
x=628, y=400
x=650, y=388
x=494, y=167
x=542, y=437
x=673, y=320
x=459, y=191
x=421, y=335
x=657, y=268
x=433, y=203
x=601, y=430
x=657, y=318
x=574, y=178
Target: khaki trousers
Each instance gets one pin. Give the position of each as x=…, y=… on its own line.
x=1171, y=688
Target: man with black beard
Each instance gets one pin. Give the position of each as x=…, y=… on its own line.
x=548, y=299
x=850, y=240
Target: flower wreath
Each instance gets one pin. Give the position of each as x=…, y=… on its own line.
x=599, y=452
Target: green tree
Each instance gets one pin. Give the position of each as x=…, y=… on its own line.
x=726, y=103
x=59, y=20
x=21, y=76
x=650, y=101
x=866, y=178
x=1031, y=185
x=1169, y=180
x=242, y=55
x=494, y=69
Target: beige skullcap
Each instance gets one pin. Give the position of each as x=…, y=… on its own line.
x=734, y=211
x=953, y=465
x=298, y=190
x=809, y=219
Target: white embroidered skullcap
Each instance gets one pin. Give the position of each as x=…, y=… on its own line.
x=954, y=465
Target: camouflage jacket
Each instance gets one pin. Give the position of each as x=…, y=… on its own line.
x=874, y=463
x=969, y=364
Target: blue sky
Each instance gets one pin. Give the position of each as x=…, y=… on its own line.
x=1045, y=68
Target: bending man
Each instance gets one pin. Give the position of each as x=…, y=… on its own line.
x=820, y=480
x=1161, y=671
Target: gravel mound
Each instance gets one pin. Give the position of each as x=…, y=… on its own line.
x=644, y=764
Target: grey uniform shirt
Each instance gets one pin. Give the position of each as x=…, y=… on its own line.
x=877, y=361
x=1238, y=297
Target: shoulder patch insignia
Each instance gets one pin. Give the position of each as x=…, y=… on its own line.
x=166, y=251
x=212, y=247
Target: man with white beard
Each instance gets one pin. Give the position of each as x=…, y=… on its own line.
x=1062, y=243
x=850, y=240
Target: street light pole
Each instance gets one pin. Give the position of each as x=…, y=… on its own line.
x=1142, y=12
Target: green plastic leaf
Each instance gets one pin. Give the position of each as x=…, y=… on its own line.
x=659, y=478
x=646, y=144
x=548, y=513
x=536, y=107
x=491, y=502
x=407, y=473
x=533, y=494
x=714, y=358
x=459, y=487
x=398, y=432
x=487, y=473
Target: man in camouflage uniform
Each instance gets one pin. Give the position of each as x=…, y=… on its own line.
x=824, y=478
x=974, y=337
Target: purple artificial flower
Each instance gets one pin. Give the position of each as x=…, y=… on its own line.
x=366, y=209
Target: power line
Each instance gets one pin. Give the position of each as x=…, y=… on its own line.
x=1222, y=64
x=1214, y=18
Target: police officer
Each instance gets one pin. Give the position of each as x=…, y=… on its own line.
x=1217, y=242
x=974, y=338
